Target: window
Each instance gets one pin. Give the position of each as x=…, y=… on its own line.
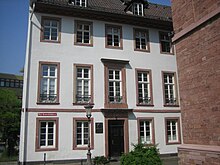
x=82, y=129
x=12, y=83
x=2, y=82
x=51, y=29
x=144, y=87
x=115, y=93
x=165, y=43
x=146, y=130
x=21, y=84
x=7, y=83
x=115, y=83
x=17, y=83
x=138, y=9
x=78, y=2
x=170, y=89
x=83, y=31
x=113, y=36
x=172, y=130
x=141, y=40
x=83, y=84
x=47, y=134
x=49, y=82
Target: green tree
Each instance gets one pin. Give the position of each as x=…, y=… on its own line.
x=10, y=107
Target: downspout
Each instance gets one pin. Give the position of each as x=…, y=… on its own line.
x=23, y=141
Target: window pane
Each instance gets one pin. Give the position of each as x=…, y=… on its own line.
x=86, y=73
x=45, y=70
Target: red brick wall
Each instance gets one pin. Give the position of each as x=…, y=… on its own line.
x=186, y=12
x=198, y=60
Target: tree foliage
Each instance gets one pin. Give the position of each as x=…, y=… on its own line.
x=142, y=155
x=10, y=107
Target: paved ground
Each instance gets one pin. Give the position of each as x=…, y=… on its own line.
x=166, y=161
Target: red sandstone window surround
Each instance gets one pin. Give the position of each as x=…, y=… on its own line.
x=48, y=82
x=144, y=87
x=50, y=29
x=115, y=85
x=166, y=46
x=83, y=84
x=170, y=90
x=81, y=129
x=146, y=133
x=172, y=127
x=47, y=134
x=113, y=36
x=83, y=33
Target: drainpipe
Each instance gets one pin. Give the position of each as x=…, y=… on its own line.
x=24, y=119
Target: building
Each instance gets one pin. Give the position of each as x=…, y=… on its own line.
x=197, y=40
x=114, y=54
x=12, y=82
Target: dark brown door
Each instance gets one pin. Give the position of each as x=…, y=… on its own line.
x=116, y=137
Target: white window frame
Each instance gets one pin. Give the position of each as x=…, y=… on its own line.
x=171, y=123
x=82, y=133
x=110, y=31
x=83, y=31
x=81, y=3
x=50, y=29
x=114, y=80
x=47, y=133
x=138, y=9
x=83, y=79
x=142, y=82
x=151, y=132
x=138, y=35
x=170, y=86
x=48, y=78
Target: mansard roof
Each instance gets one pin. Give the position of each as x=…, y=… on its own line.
x=155, y=15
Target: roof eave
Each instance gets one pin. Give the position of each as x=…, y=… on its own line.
x=89, y=13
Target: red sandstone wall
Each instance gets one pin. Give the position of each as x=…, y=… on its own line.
x=186, y=12
x=198, y=60
x=199, y=82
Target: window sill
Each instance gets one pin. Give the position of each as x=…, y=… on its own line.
x=81, y=104
x=40, y=103
x=83, y=44
x=142, y=50
x=51, y=41
x=167, y=105
x=82, y=148
x=113, y=47
x=173, y=143
x=166, y=53
x=145, y=105
x=46, y=149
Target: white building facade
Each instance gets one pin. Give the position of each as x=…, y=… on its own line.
x=116, y=56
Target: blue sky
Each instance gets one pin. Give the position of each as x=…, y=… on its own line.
x=13, y=32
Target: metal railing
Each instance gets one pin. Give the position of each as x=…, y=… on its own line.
x=83, y=98
x=170, y=101
x=144, y=100
x=115, y=99
x=48, y=98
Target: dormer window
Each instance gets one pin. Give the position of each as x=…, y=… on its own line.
x=138, y=9
x=78, y=2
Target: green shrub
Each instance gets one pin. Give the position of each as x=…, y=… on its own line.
x=142, y=155
x=100, y=160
